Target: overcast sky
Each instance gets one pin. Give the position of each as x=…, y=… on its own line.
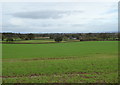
x=51, y=17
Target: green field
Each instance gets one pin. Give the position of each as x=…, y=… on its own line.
x=32, y=41
x=73, y=62
x=40, y=41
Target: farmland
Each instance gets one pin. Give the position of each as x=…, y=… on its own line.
x=72, y=62
x=40, y=41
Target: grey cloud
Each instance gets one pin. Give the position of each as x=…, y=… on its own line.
x=77, y=25
x=46, y=25
x=46, y=14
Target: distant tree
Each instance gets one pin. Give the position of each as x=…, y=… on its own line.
x=15, y=36
x=118, y=35
x=104, y=36
x=58, y=38
x=22, y=36
x=9, y=39
x=65, y=38
x=30, y=36
x=3, y=37
x=26, y=38
x=89, y=36
x=8, y=36
x=51, y=36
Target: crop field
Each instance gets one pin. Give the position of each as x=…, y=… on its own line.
x=72, y=62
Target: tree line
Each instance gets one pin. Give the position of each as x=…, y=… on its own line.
x=61, y=36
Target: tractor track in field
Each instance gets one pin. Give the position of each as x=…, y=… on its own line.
x=81, y=74
x=36, y=59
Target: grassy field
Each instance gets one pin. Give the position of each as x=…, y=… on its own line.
x=37, y=41
x=32, y=41
x=74, y=62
